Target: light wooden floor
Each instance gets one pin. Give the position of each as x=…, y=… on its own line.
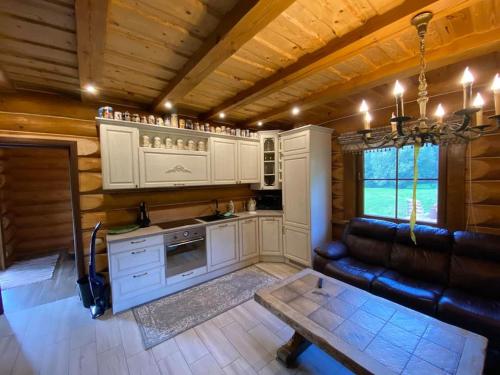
x=60, y=338
x=62, y=285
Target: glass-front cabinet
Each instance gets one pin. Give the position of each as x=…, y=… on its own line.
x=270, y=160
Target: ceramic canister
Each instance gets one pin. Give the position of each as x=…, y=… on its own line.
x=201, y=146
x=105, y=112
x=145, y=141
x=136, y=118
x=118, y=115
x=126, y=116
x=167, y=121
x=180, y=143
x=182, y=123
x=159, y=121
x=174, y=120
x=168, y=143
x=144, y=119
x=151, y=120
x=191, y=146
x=157, y=142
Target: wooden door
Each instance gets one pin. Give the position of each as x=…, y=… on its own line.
x=270, y=230
x=222, y=245
x=297, y=245
x=224, y=155
x=249, y=238
x=296, y=190
x=119, y=157
x=248, y=162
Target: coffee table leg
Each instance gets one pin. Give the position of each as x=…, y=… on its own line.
x=289, y=352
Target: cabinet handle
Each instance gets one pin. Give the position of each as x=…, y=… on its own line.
x=138, y=252
x=140, y=275
x=187, y=274
x=134, y=242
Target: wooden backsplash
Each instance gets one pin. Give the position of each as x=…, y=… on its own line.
x=61, y=119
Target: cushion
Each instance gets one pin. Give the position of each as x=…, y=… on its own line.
x=414, y=293
x=333, y=250
x=475, y=313
x=475, y=264
x=370, y=240
x=427, y=260
x=353, y=271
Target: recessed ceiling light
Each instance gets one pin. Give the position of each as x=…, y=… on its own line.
x=295, y=111
x=168, y=104
x=259, y=123
x=91, y=89
x=222, y=115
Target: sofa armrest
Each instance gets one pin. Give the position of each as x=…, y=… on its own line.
x=334, y=250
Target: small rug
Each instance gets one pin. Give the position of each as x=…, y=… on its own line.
x=29, y=271
x=167, y=317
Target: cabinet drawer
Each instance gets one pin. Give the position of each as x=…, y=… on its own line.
x=186, y=275
x=295, y=143
x=138, y=283
x=136, y=243
x=137, y=260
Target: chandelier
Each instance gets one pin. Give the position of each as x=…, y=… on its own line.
x=437, y=130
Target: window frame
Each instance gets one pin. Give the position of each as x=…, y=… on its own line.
x=441, y=198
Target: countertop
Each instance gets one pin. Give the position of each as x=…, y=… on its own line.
x=155, y=229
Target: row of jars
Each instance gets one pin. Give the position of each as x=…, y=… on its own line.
x=169, y=144
x=173, y=121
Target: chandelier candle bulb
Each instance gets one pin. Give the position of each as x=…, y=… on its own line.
x=394, y=124
x=496, y=93
x=363, y=108
x=467, y=80
x=439, y=114
x=479, y=103
x=398, y=93
x=367, y=120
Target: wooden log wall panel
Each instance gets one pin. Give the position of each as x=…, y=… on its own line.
x=116, y=208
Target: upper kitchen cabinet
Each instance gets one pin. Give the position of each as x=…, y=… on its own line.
x=234, y=161
x=270, y=162
x=120, y=166
x=307, y=206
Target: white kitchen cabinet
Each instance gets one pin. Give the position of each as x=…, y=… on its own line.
x=161, y=168
x=307, y=201
x=119, y=157
x=248, y=162
x=249, y=238
x=224, y=157
x=222, y=245
x=297, y=245
x=270, y=236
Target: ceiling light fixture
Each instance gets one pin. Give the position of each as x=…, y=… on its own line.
x=295, y=111
x=259, y=123
x=91, y=89
x=168, y=104
x=222, y=115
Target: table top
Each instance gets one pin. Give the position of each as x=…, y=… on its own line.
x=369, y=334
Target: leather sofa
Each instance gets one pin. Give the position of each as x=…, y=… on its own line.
x=454, y=277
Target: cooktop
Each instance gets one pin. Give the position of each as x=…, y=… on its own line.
x=178, y=223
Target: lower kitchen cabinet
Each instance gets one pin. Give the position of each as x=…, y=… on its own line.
x=249, y=238
x=297, y=245
x=222, y=245
x=270, y=230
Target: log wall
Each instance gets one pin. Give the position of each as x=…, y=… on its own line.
x=45, y=117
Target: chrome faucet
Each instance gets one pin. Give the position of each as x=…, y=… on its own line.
x=217, y=212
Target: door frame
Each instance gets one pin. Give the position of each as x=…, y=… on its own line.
x=71, y=147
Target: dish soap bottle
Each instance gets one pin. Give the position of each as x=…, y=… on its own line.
x=230, y=207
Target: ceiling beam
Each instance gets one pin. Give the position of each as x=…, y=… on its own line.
x=374, y=30
x=241, y=24
x=91, y=24
x=469, y=46
x=5, y=83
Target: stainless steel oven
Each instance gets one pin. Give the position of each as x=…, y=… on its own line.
x=185, y=251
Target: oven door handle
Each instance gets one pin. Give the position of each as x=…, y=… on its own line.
x=175, y=244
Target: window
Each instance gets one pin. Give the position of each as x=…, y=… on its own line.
x=388, y=183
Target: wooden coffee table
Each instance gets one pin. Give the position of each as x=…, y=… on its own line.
x=366, y=333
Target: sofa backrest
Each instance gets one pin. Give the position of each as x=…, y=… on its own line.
x=370, y=240
x=429, y=259
x=475, y=263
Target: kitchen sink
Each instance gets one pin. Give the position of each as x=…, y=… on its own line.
x=215, y=217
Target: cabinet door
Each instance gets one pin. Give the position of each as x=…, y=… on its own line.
x=249, y=238
x=296, y=190
x=224, y=160
x=297, y=245
x=270, y=236
x=248, y=162
x=119, y=157
x=222, y=245
x=173, y=168
x=295, y=143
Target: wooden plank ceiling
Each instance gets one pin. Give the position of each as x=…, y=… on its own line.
x=252, y=60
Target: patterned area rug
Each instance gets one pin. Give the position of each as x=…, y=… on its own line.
x=28, y=271
x=167, y=317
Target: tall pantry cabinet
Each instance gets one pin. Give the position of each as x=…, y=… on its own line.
x=307, y=202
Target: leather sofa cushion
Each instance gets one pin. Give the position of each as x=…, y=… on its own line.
x=475, y=264
x=354, y=272
x=413, y=293
x=475, y=313
x=370, y=240
x=427, y=260
x=333, y=250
